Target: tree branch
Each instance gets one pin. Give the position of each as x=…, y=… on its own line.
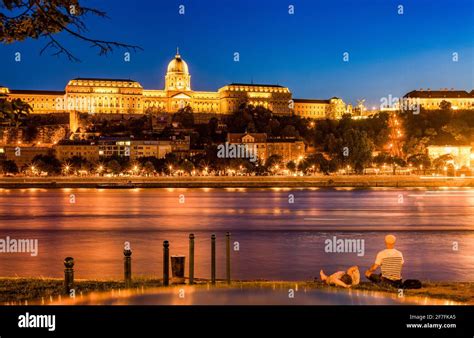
x=53, y=43
x=46, y=16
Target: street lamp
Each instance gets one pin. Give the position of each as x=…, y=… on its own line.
x=135, y=169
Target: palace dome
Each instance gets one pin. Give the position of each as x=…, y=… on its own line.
x=178, y=65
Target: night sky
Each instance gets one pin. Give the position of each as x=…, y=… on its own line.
x=388, y=53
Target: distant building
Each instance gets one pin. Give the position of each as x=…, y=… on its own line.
x=462, y=156
x=23, y=155
x=431, y=99
x=157, y=149
x=180, y=146
x=290, y=149
x=126, y=96
x=257, y=142
x=320, y=109
x=133, y=149
x=68, y=149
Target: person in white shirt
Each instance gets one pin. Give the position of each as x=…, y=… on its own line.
x=390, y=262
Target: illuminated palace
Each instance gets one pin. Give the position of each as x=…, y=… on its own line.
x=122, y=96
x=432, y=99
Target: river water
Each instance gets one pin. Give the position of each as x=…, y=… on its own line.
x=277, y=234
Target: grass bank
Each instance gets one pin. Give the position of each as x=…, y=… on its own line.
x=19, y=290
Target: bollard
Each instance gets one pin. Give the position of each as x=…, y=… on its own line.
x=227, y=252
x=191, y=259
x=166, y=263
x=213, y=259
x=68, y=274
x=127, y=267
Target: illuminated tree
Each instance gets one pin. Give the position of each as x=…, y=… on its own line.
x=291, y=166
x=14, y=112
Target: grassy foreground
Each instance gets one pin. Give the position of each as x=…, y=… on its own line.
x=19, y=290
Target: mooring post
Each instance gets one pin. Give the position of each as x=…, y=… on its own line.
x=191, y=259
x=213, y=259
x=166, y=263
x=127, y=267
x=227, y=251
x=68, y=274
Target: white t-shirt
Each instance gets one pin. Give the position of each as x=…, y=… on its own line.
x=390, y=261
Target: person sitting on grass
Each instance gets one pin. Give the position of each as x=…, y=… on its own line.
x=390, y=262
x=346, y=279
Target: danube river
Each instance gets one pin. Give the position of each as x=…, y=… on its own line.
x=280, y=234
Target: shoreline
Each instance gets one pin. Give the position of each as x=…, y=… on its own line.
x=341, y=181
x=20, y=290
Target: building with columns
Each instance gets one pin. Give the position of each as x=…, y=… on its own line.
x=125, y=96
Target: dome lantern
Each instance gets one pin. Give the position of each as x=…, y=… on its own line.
x=177, y=75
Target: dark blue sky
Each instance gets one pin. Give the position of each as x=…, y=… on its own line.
x=389, y=53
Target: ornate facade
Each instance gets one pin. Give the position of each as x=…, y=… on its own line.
x=290, y=149
x=124, y=96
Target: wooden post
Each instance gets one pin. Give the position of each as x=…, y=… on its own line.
x=227, y=251
x=191, y=259
x=213, y=259
x=127, y=267
x=68, y=274
x=166, y=263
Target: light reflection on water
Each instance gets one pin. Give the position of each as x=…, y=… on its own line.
x=187, y=295
x=277, y=240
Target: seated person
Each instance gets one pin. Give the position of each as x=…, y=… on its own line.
x=346, y=279
x=390, y=262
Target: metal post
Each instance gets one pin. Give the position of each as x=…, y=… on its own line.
x=127, y=267
x=191, y=259
x=213, y=259
x=166, y=263
x=227, y=251
x=68, y=274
